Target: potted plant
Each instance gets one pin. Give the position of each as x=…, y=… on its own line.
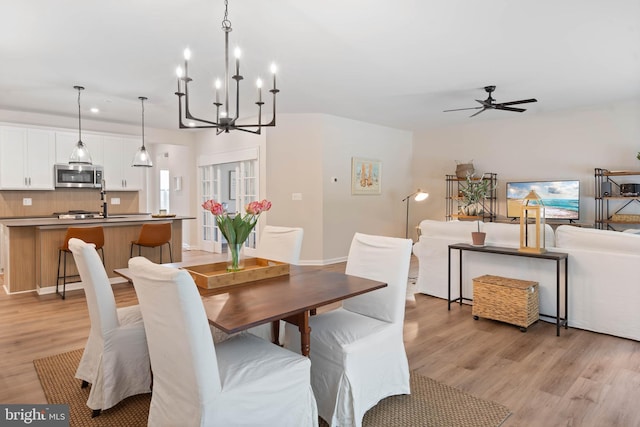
x=477, y=237
x=473, y=195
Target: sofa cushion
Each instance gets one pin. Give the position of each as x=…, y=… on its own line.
x=508, y=234
x=568, y=237
x=455, y=230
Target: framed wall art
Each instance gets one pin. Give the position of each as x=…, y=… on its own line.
x=366, y=176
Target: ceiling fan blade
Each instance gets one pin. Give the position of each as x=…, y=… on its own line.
x=475, y=114
x=502, y=107
x=460, y=109
x=523, y=101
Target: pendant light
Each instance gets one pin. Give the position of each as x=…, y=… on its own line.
x=142, y=158
x=80, y=153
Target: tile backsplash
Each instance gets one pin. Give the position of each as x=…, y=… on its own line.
x=45, y=203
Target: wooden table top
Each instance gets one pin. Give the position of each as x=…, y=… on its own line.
x=280, y=297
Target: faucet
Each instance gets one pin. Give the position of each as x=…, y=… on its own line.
x=103, y=197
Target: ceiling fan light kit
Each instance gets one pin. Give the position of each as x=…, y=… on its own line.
x=490, y=104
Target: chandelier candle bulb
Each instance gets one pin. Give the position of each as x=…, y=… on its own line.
x=217, y=86
x=259, y=84
x=273, y=70
x=237, y=54
x=179, y=74
x=187, y=57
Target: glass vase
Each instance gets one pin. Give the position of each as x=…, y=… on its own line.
x=235, y=257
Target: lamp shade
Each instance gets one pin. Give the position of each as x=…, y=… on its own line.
x=142, y=158
x=80, y=154
x=420, y=196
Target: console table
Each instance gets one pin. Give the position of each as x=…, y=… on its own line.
x=558, y=257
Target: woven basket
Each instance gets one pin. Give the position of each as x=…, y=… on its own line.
x=508, y=300
x=625, y=218
x=463, y=169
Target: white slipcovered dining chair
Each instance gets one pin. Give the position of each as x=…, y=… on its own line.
x=282, y=244
x=243, y=381
x=357, y=350
x=116, y=358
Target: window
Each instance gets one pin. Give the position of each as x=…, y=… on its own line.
x=164, y=189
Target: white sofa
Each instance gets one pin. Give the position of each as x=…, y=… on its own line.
x=432, y=251
x=604, y=288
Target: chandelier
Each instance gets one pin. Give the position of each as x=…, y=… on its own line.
x=225, y=120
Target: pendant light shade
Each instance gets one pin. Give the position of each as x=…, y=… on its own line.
x=142, y=158
x=80, y=153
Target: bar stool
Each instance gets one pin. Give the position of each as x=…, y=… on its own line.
x=152, y=236
x=93, y=235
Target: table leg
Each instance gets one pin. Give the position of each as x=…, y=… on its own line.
x=301, y=320
x=305, y=334
x=460, y=277
x=566, y=293
x=558, y=298
x=275, y=332
x=449, y=287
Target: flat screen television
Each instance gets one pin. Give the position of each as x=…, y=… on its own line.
x=561, y=199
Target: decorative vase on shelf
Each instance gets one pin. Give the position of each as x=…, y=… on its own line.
x=235, y=257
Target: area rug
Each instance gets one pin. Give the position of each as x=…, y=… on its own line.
x=430, y=404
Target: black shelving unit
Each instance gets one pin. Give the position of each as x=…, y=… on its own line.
x=454, y=201
x=611, y=203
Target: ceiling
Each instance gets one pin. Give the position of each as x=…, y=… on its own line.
x=397, y=63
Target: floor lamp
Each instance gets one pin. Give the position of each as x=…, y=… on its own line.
x=419, y=196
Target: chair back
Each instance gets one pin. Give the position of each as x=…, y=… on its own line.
x=154, y=234
x=280, y=244
x=181, y=348
x=97, y=287
x=385, y=259
x=93, y=235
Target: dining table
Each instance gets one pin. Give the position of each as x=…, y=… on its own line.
x=291, y=298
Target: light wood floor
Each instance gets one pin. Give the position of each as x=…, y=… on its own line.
x=577, y=379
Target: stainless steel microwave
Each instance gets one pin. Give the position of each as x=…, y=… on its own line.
x=77, y=176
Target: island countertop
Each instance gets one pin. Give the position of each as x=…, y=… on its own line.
x=30, y=247
x=64, y=223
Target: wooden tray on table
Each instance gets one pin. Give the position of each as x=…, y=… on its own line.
x=216, y=276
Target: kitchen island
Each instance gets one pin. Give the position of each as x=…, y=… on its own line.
x=30, y=247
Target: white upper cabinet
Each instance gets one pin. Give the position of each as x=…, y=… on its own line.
x=66, y=141
x=118, y=154
x=26, y=159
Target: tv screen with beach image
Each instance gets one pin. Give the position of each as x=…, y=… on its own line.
x=561, y=199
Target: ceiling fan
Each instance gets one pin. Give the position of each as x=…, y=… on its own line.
x=490, y=104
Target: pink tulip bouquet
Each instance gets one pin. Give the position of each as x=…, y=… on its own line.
x=236, y=227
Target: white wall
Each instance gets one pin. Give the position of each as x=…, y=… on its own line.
x=344, y=213
x=294, y=165
x=304, y=151
x=521, y=147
